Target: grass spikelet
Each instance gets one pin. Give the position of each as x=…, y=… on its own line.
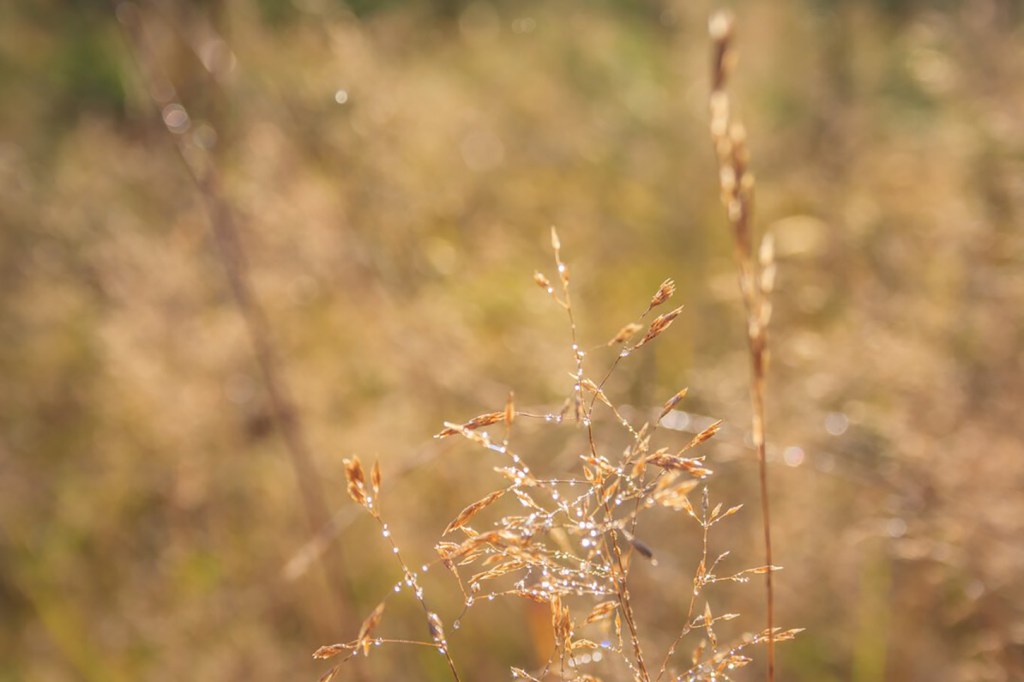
x=375, y=477
x=664, y=292
x=467, y=514
x=670, y=404
x=704, y=435
x=330, y=650
x=369, y=625
x=600, y=611
x=356, y=480
x=658, y=327
x=625, y=334
x=477, y=422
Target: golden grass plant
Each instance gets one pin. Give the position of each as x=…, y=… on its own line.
x=568, y=538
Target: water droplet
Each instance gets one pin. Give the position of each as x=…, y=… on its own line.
x=896, y=527
x=793, y=456
x=176, y=118
x=457, y=624
x=836, y=423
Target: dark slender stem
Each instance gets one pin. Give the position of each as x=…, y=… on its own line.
x=226, y=235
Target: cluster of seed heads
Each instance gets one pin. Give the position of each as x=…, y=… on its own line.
x=568, y=541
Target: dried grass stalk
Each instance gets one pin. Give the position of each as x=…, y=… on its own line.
x=756, y=278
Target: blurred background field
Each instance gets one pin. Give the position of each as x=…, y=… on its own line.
x=395, y=167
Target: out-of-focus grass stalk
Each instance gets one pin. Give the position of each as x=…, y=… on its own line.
x=756, y=277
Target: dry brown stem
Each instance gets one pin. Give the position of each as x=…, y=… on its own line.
x=755, y=278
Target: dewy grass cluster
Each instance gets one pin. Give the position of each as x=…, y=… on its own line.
x=569, y=541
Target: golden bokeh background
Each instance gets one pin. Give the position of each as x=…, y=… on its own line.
x=392, y=169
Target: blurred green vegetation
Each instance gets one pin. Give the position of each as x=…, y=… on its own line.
x=395, y=166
